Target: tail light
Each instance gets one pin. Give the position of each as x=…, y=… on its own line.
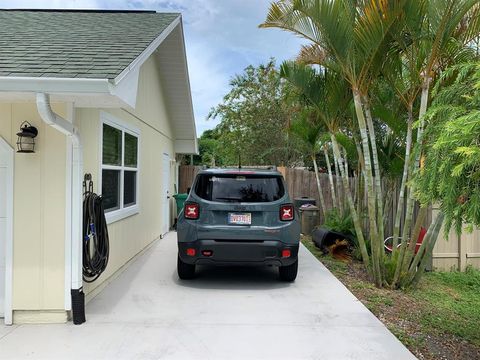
x=286, y=253
x=192, y=211
x=287, y=212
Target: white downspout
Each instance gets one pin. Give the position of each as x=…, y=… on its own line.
x=66, y=127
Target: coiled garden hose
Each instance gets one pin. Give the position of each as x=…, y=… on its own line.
x=95, y=237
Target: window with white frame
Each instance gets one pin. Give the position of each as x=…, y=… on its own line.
x=119, y=168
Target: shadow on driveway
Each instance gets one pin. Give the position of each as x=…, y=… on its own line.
x=233, y=278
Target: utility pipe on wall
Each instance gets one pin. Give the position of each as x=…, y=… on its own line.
x=51, y=118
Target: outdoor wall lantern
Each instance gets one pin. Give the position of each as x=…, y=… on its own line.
x=26, y=138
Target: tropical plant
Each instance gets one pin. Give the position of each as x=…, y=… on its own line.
x=405, y=42
x=307, y=127
x=450, y=176
x=328, y=94
x=341, y=222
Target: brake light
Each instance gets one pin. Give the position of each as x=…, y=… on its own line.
x=192, y=211
x=286, y=253
x=287, y=212
x=191, y=252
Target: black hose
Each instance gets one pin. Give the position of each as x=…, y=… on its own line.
x=95, y=238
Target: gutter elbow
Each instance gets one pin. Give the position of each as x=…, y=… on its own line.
x=50, y=118
x=44, y=109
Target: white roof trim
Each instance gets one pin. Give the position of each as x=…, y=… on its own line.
x=195, y=144
x=135, y=64
x=50, y=84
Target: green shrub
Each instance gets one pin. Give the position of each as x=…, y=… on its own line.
x=340, y=222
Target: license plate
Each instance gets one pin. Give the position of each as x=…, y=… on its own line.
x=240, y=219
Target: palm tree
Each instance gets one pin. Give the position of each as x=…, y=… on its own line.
x=357, y=40
x=353, y=37
x=308, y=128
x=327, y=94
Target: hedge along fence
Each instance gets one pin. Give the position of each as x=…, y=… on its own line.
x=454, y=252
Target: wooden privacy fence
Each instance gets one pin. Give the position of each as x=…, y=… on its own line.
x=451, y=253
x=303, y=183
x=186, y=175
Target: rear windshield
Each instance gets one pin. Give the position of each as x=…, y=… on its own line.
x=239, y=188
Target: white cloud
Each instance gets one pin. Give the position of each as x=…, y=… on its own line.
x=222, y=38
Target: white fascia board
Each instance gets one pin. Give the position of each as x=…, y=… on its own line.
x=127, y=89
x=54, y=85
x=138, y=62
x=190, y=102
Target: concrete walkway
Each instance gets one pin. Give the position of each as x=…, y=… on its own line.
x=226, y=313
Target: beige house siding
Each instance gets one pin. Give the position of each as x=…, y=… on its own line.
x=40, y=189
x=39, y=212
x=131, y=235
x=151, y=105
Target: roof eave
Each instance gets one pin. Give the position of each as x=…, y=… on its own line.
x=195, y=149
x=57, y=85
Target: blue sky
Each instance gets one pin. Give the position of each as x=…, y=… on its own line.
x=222, y=38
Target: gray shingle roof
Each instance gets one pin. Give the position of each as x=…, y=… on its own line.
x=75, y=44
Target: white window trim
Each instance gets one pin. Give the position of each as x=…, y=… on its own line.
x=123, y=212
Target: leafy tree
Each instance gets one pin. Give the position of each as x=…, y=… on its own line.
x=254, y=119
x=209, y=149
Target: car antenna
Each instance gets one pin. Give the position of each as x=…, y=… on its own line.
x=239, y=161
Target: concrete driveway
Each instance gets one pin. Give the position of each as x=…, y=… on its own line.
x=226, y=313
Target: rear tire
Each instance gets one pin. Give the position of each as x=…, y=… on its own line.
x=289, y=273
x=185, y=271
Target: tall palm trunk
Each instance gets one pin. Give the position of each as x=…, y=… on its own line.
x=361, y=175
x=351, y=204
x=406, y=167
x=420, y=261
x=330, y=176
x=338, y=177
x=416, y=166
x=378, y=183
x=319, y=187
x=387, y=205
x=371, y=196
x=410, y=252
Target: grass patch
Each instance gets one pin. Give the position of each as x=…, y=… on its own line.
x=451, y=303
x=440, y=319
x=406, y=339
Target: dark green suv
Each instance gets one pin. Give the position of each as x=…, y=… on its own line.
x=238, y=217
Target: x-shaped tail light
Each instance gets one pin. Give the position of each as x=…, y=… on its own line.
x=287, y=212
x=192, y=211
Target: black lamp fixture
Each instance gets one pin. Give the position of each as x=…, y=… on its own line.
x=26, y=138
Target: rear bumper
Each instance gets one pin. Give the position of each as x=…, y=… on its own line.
x=237, y=252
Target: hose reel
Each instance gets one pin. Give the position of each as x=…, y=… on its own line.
x=95, y=246
x=95, y=233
